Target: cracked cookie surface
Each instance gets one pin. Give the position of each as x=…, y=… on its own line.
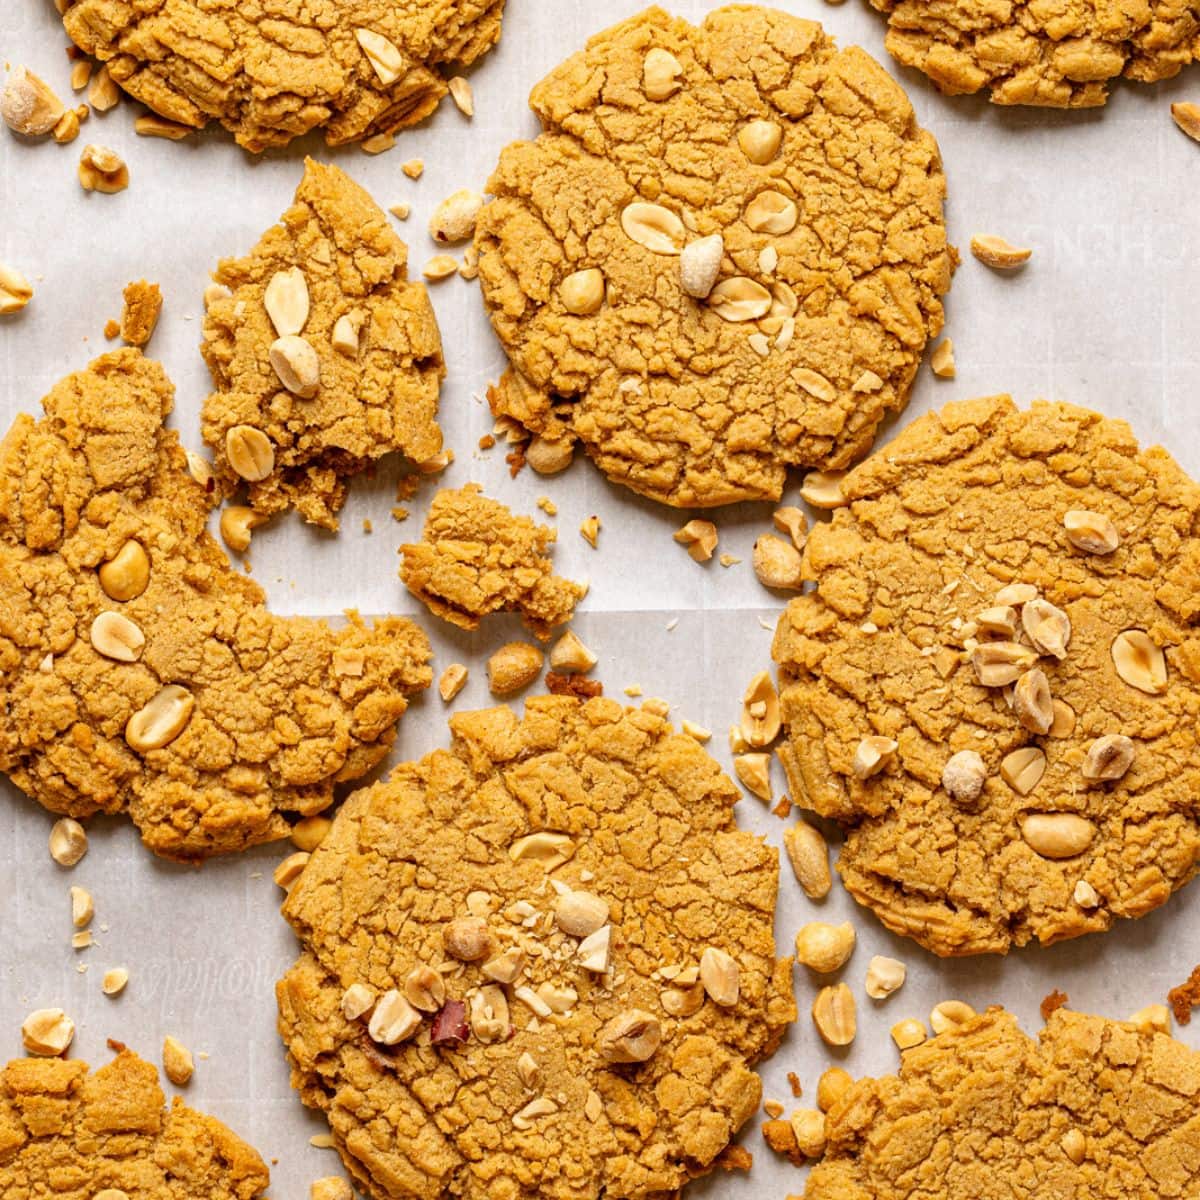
x=71, y=1133
x=335, y=274
x=962, y=503
x=477, y=558
x=271, y=70
x=628, y=811
x=807, y=161
x=1092, y=1108
x=1056, y=56
x=140, y=672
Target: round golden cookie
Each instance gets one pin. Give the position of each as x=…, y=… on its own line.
x=1056, y=56
x=271, y=70
x=141, y=672
x=538, y=964
x=995, y=571
x=1093, y=1107
x=722, y=258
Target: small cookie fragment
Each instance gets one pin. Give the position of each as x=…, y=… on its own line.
x=544, y=1044
x=143, y=304
x=173, y=1151
x=1118, y=1067
x=319, y=340
x=477, y=558
x=1185, y=997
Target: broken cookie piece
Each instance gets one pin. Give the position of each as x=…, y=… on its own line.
x=67, y=1130
x=497, y=953
x=322, y=351
x=271, y=72
x=712, y=290
x=477, y=558
x=1093, y=1107
x=143, y=304
x=140, y=672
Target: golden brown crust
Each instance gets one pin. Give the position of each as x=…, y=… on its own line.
x=1057, y=56
x=283, y=707
x=650, y=818
x=476, y=557
x=65, y=1132
x=962, y=503
x=669, y=398
x=1092, y=1108
x=380, y=399
x=271, y=70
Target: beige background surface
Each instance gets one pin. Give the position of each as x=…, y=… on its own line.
x=1107, y=314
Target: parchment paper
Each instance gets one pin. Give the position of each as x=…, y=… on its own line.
x=1106, y=314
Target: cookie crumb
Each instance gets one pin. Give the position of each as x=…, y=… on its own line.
x=1185, y=997
x=112, y=328
x=558, y=684
x=487, y=442
x=413, y=168
x=1052, y=1003
x=143, y=304
x=401, y=211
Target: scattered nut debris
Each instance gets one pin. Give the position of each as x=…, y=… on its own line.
x=823, y=489
x=776, y=563
x=413, y=168
x=1187, y=116
x=941, y=361
x=102, y=170
x=761, y=719
x=823, y=947
x=460, y=92
x=152, y=125
x=884, y=976
x=834, y=1014
x=288, y=871
x=114, y=981
x=631, y=1037
x=440, y=266
x=1154, y=1018
x=453, y=680
x=873, y=755
x=569, y=655
x=83, y=908
x=237, y=520
x=997, y=253
x=908, y=1033
x=453, y=219
x=377, y=143
x=834, y=1083
x=754, y=770
x=68, y=842
x=28, y=104
x=47, y=1032
x=103, y=94
x=809, y=855
x=177, y=1062
x=793, y=522
x=589, y=530
x=332, y=1187
x=401, y=211
x=513, y=667
x=700, y=538
x=950, y=1014
x=15, y=290
x=309, y=832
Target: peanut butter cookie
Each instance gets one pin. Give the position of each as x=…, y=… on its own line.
x=70, y=1133
x=1092, y=1108
x=1055, y=56
x=722, y=258
x=324, y=355
x=538, y=964
x=271, y=70
x=140, y=672
x=994, y=687
x=476, y=558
